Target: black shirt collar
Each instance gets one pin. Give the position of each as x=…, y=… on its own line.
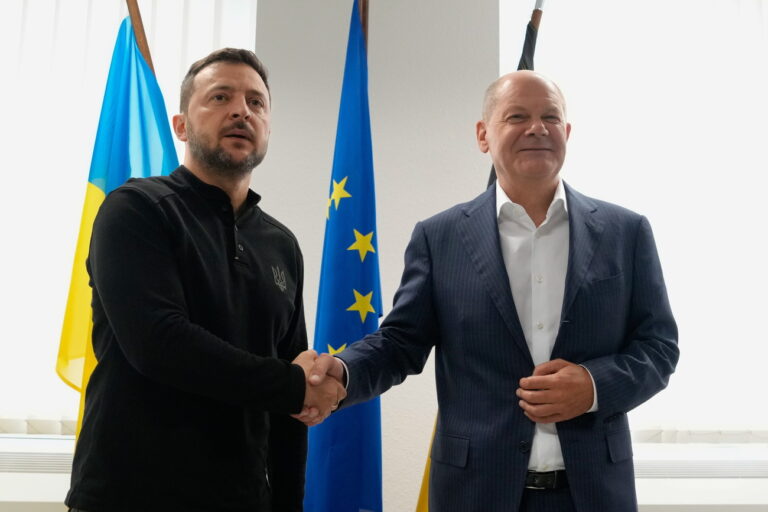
x=212, y=192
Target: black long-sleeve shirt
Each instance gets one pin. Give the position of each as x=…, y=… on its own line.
x=197, y=314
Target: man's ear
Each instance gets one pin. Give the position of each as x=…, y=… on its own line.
x=480, y=131
x=180, y=127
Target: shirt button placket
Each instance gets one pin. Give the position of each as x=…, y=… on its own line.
x=238, y=244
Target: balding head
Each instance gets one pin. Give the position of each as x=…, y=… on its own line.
x=511, y=80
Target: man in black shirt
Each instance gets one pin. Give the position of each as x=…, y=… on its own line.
x=197, y=315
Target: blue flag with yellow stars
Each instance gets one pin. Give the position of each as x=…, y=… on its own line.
x=344, y=460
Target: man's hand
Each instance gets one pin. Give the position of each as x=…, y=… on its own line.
x=557, y=391
x=320, y=398
x=326, y=364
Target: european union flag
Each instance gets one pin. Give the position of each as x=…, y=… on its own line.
x=133, y=141
x=344, y=461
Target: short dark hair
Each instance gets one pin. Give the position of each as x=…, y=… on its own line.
x=231, y=55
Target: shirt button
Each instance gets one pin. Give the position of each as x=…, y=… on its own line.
x=237, y=258
x=539, y=278
x=525, y=446
x=240, y=246
x=540, y=325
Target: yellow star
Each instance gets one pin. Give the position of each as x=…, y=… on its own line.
x=362, y=244
x=328, y=209
x=362, y=305
x=338, y=191
x=334, y=351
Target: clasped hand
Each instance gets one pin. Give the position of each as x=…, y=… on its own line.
x=322, y=395
x=557, y=391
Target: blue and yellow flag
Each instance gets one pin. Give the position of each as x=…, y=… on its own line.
x=133, y=140
x=344, y=462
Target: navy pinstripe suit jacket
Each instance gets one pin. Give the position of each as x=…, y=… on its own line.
x=455, y=296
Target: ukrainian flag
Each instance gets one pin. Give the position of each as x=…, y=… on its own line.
x=344, y=461
x=133, y=140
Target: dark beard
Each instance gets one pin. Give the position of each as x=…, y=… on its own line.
x=217, y=160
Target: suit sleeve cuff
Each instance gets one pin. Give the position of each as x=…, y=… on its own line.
x=594, y=390
x=346, y=373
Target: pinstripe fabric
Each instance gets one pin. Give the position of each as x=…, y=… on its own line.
x=455, y=296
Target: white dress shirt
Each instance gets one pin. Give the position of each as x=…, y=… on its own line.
x=536, y=259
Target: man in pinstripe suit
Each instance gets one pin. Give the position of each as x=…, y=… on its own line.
x=550, y=320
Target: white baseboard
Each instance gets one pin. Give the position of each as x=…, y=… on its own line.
x=32, y=507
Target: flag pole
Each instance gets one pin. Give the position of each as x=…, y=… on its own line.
x=536, y=14
x=138, y=31
x=363, y=7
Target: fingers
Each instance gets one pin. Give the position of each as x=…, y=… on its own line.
x=306, y=359
x=310, y=416
x=307, y=414
x=544, y=419
x=322, y=395
x=544, y=374
x=550, y=367
x=341, y=394
x=536, y=397
x=540, y=410
x=558, y=391
x=306, y=356
x=537, y=383
x=320, y=400
x=326, y=365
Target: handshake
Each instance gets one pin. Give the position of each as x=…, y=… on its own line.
x=322, y=395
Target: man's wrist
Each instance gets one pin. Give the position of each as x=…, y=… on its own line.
x=345, y=372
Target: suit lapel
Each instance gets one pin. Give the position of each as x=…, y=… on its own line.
x=585, y=232
x=479, y=231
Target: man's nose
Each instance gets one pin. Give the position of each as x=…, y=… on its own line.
x=537, y=127
x=241, y=109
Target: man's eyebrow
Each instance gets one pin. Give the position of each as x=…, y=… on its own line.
x=220, y=87
x=229, y=88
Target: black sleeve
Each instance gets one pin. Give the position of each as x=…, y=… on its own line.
x=135, y=278
x=288, y=436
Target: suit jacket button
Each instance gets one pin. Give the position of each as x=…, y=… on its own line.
x=525, y=446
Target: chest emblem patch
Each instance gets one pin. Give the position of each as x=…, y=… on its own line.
x=279, y=278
